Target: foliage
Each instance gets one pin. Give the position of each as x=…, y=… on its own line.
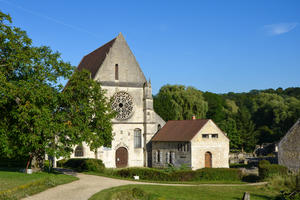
x=206, y=174
x=175, y=102
x=267, y=170
x=144, y=174
x=219, y=174
x=256, y=117
x=85, y=164
x=36, y=117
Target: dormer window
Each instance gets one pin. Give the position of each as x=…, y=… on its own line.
x=116, y=72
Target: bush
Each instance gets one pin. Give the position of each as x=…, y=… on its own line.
x=263, y=162
x=13, y=163
x=84, y=164
x=218, y=174
x=269, y=170
x=184, y=175
x=61, y=163
x=144, y=173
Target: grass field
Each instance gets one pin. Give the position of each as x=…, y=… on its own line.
x=151, y=192
x=15, y=185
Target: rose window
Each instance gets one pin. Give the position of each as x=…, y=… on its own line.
x=122, y=104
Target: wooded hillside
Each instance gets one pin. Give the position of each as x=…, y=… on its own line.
x=255, y=117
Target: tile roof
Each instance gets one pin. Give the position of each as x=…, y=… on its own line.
x=93, y=60
x=179, y=130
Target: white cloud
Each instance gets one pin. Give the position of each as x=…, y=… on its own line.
x=281, y=28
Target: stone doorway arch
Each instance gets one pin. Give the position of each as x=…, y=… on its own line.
x=121, y=157
x=208, y=160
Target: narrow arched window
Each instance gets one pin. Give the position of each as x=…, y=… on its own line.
x=79, y=151
x=137, y=138
x=158, y=127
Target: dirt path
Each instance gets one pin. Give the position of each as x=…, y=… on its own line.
x=87, y=185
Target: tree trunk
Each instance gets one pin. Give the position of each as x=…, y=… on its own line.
x=28, y=162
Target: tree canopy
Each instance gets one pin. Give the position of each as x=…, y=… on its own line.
x=256, y=117
x=37, y=117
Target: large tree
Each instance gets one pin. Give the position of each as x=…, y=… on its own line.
x=177, y=102
x=37, y=118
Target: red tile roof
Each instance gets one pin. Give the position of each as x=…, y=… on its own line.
x=179, y=130
x=93, y=60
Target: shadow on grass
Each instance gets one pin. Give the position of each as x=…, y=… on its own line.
x=251, y=178
x=11, y=169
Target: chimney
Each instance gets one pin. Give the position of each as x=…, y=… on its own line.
x=194, y=117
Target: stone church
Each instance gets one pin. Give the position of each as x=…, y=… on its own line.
x=115, y=67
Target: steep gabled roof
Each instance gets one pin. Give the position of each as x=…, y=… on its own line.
x=179, y=130
x=93, y=60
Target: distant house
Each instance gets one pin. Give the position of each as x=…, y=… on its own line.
x=196, y=143
x=289, y=148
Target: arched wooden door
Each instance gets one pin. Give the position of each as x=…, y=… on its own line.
x=121, y=157
x=208, y=160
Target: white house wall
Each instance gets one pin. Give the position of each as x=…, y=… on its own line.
x=218, y=147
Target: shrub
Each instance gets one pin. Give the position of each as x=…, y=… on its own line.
x=184, y=175
x=263, y=162
x=84, y=164
x=218, y=174
x=251, y=178
x=12, y=163
x=144, y=173
x=270, y=170
x=61, y=163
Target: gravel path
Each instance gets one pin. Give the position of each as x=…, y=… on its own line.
x=87, y=185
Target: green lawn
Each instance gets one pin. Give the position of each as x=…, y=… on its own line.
x=151, y=192
x=14, y=185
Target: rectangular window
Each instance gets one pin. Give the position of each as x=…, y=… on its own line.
x=172, y=157
x=187, y=147
x=116, y=72
x=214, y=135
x=137, y=138
x=167, y=157
x=205, y=135
x=159, y=157
x=155, y=156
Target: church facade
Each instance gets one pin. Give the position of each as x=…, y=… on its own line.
x=114, y=66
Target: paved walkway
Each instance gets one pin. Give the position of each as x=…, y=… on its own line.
x=87, y=185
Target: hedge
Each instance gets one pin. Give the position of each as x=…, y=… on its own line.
x=143, y=173
x=83, y=164
x=12, y=163
x=267, y=170
x=218, y=174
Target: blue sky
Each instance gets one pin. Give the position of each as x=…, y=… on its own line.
x=217, y=46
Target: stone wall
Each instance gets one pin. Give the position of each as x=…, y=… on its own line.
x=218, y=147
x=289, y=148
x=182, y=152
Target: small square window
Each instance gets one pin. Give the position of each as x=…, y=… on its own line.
x=205, y=136
x=214, y=135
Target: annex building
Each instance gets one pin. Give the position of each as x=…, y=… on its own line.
x=195, y=143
